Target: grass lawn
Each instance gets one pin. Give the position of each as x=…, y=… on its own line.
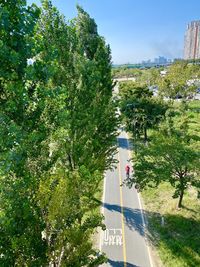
x=177, y=240
x=175, y=233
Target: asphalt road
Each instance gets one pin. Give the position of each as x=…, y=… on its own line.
x=124, y=240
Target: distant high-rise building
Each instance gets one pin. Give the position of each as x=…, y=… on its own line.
x=192, y=40
x=160, y=60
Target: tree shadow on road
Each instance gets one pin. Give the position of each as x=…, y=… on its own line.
x=179, y=235
x=133, y=218
x=124, y=143
x=121, y=264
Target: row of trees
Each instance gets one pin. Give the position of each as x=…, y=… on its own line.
x=126, y=72
x=171, y=153
x=57, y=135
x=181, y=79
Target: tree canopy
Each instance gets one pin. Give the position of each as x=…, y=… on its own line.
x=139, y=109
x=181, y=80
x=57, y=136
x=172, y=156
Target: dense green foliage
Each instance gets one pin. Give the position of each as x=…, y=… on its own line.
x=123, y=72
x=140, y=110
x=180, y=81
x=172, y=154
x=58, y=129
x=146, y=76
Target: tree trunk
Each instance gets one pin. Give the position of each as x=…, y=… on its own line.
x=70, y=162
x=61, y=256
x=182, y=176
x=180, y=199
x=145, y=135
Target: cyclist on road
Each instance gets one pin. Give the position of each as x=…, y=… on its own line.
x=127, y=169
x=127, y=181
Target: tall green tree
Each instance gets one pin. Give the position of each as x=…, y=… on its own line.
x=80, y=113
x=20, y=223
x=57, y=136
x=171, y=156
x=94, y=121
x=84, y=116
x=140, y=110
x=83, y=74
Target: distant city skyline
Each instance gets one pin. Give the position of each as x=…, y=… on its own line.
x=138, y=30
x=159, y=60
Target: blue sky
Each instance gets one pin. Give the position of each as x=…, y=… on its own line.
x=138, y=29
